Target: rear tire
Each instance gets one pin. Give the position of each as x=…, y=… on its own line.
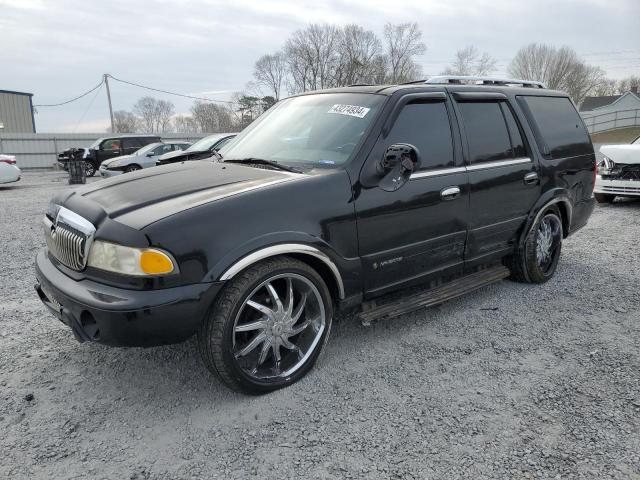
x=537, y=260
x=255, y=339
x=604, y=197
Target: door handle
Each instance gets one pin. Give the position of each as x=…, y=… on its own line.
x=531, y=178
x=450, y=193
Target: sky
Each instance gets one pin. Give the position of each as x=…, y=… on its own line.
x=58, y=49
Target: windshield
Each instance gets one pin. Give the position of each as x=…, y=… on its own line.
x=96, y=144
x=204, y=144
x=318, y=129
x=147, y=148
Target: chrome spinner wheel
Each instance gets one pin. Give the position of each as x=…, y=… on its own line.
x=548, y=240
x=278, y=327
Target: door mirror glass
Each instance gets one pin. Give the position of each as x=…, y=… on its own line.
x=397, y=164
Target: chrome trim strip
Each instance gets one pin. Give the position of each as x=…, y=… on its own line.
x=74, y=220
x=498, y=164
x=480, y=166
x=283, y=249
x=437, y=173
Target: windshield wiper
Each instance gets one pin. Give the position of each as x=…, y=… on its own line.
x=262, y=161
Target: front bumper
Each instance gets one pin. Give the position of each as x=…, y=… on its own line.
x=106, y=173
x=121, y=317
x=625, y=188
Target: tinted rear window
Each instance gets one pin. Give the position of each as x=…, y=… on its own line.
x=558, y=126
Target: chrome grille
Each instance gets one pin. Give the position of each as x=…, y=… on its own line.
x=69, y=238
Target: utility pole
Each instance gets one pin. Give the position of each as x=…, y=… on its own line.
x=106, y=82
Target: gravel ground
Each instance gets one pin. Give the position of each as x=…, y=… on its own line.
x=513, y=381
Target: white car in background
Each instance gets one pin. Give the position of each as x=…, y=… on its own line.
x=142, y=158
x=618, y=172
x=9, y=172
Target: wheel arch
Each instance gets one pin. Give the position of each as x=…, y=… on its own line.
x=312, y=256
x=558, y=199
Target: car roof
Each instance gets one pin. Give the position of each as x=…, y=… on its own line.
x=389, y=90
x=109, y=137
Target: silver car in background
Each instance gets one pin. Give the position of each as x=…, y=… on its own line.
x=143, y=158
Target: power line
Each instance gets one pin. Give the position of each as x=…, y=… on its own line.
x=170, y=93
x=73, y=99
x=86, y=110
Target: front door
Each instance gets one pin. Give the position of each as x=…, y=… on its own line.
x=503, y=178
x=419, y=231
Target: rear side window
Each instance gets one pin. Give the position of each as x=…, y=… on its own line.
x=559, y=129
x=487, y=133
x=425, y=126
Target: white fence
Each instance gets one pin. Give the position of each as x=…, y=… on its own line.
x=603, y=122
x=40, y=150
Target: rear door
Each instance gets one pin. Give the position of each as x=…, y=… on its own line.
x=503, y=177
x=418, y=231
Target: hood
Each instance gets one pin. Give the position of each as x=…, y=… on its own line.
x=146, y=196
x=622, y=154
x=113, y=161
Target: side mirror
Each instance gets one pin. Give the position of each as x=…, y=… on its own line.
x=150, y=154
x=399, y=161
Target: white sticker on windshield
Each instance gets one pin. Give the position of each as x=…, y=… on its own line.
x=351, y=110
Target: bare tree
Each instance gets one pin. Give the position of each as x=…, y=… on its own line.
x=558, y=68
x=270, y=71
x=312, y=57
x=358, y=52
x=125, y=122
x=403, y=42
x=212, y=118
x=469, y=61
x=155, y=115
x=606, y=87
x=185, y=124
x=629, y=84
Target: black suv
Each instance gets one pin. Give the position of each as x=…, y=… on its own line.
x=109, y=147
x=330, y=200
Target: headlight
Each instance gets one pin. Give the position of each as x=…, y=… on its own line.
x=606, y=165
x=129, y=261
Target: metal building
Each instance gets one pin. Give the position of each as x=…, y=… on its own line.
x=16, y=112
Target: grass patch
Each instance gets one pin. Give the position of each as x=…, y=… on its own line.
x=621, y=135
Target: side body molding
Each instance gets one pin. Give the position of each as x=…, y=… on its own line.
x=283, y=249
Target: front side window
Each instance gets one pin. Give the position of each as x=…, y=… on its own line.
x=486, y=130
x=425, y=126
x=161, y=149
x=222, y=143
x=111, y=144
x=309, y=130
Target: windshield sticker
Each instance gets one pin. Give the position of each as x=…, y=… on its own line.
x=351, y=110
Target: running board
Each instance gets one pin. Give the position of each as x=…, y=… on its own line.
x=434, y=296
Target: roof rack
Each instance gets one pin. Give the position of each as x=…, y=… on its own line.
x=460, y=79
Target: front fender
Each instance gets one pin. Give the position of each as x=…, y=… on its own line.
x=346, y=272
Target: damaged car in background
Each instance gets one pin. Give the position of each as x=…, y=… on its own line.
x=618, y=172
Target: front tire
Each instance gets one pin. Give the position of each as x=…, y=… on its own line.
x=537, y=260
x=132, y=168
x=604, y=197
x=268, y=326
